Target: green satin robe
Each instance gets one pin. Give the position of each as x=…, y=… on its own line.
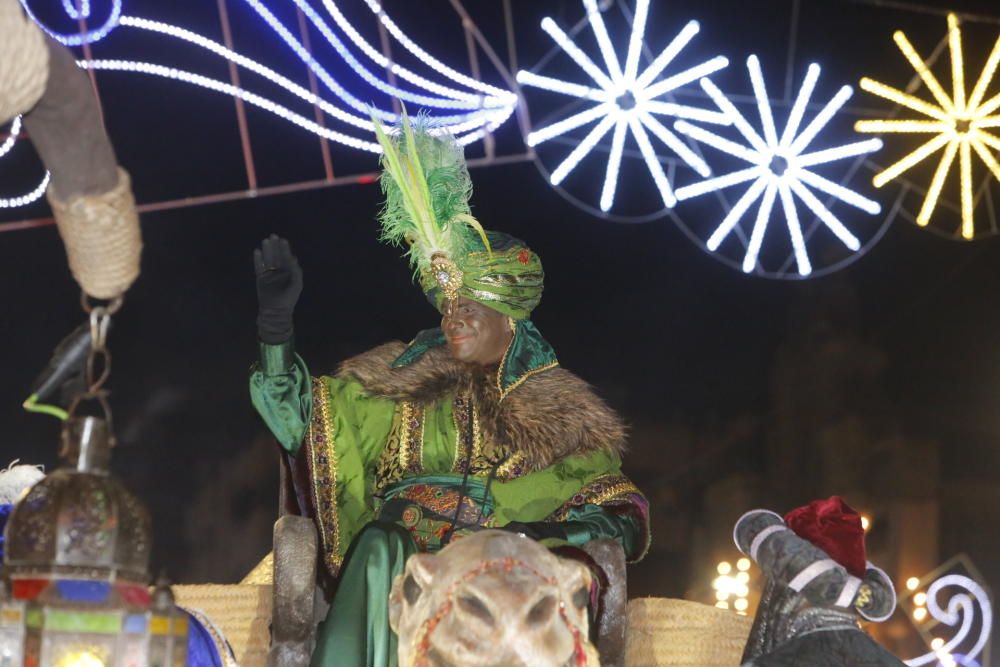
x=377, y=465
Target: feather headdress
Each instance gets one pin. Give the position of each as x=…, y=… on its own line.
x=427, y=189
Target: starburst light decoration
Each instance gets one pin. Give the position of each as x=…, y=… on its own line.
x=625, y=101
x=959, y=123
x=780, y=168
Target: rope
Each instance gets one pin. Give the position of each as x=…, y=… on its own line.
x=102, y=237
x=24, y=61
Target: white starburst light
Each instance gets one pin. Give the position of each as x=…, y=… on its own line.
x=780, y=168
x=625, y=100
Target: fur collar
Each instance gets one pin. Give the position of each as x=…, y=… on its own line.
x=549, y=416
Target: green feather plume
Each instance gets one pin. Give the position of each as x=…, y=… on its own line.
x=427, y=189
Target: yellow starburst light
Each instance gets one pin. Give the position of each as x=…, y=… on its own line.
x=960, y=123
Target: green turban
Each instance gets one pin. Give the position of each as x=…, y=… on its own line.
x=427, y=188
x=509, y=279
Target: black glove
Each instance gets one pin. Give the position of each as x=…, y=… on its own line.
x=536, y=530
x=279, y=283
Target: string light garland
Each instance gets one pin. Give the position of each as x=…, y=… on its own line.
x=469, y=114
x=78, y=38
x=625, y=100
x=780, y=168
x=33, y=195
x=484, y=108
x=960, y=122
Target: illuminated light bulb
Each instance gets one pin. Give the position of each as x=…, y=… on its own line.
x=866, y=523
x=724, y=567
x=919, y=614
x=920, y=599
x=526, y=78
x=937, y=643
x=722, y=604
x=603, y=41
x=741, y=604
x=722, y=595
x=76, y=14
x=614, y=163
x=628, y=97
x=780, y=168
x=12, y=134
x=87, y=37
x=959, y=121
x=912, y=583
x=81, y=658
x=743, y=564
x=24, y=200
x=743, y=577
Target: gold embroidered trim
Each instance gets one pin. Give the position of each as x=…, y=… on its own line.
x=513, y=466
x=403, y=453
x=519, y=381
x=323, y=461
x=411, y=439
x=604, y=490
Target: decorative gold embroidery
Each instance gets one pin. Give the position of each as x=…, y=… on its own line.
x=403, y=453
x=610, y=489
x=512, y=466
x=323, y=461
x=864, y=596
x=519, y=381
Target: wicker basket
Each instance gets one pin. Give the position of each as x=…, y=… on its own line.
x=679, y=633
x=241, y=612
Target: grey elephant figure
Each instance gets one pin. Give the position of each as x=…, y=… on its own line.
x=809, y=610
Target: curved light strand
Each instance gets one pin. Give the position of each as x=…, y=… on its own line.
x=961, y=610
x=427, y=58
x=460, y=123
x=77, y=39
x=460, y=100
x=379, y=59
x=15, y=129
x=24, y=200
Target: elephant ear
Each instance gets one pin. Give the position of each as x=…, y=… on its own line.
x=876, y=600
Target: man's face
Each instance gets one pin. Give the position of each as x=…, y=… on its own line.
x=476, y=334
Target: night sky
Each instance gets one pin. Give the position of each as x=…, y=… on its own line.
x=675, y=340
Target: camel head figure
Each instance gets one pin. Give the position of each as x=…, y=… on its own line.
x=492, y=599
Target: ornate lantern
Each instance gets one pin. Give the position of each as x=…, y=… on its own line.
x=169, y=630
x=77, y=554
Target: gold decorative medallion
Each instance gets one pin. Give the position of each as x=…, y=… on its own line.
x=447, y=275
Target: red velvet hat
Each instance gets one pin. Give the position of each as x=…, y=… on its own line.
x=833, y=526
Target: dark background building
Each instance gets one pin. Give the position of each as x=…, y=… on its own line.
x=878, y=383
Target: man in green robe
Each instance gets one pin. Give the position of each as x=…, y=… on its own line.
x=472, y=425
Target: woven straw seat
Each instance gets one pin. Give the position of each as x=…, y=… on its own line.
x=241, y=612
x=664, y=632
x=661, y=632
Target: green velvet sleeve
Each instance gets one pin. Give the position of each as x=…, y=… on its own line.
x=586, y=494
x=280, y=390
x=348, y=430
